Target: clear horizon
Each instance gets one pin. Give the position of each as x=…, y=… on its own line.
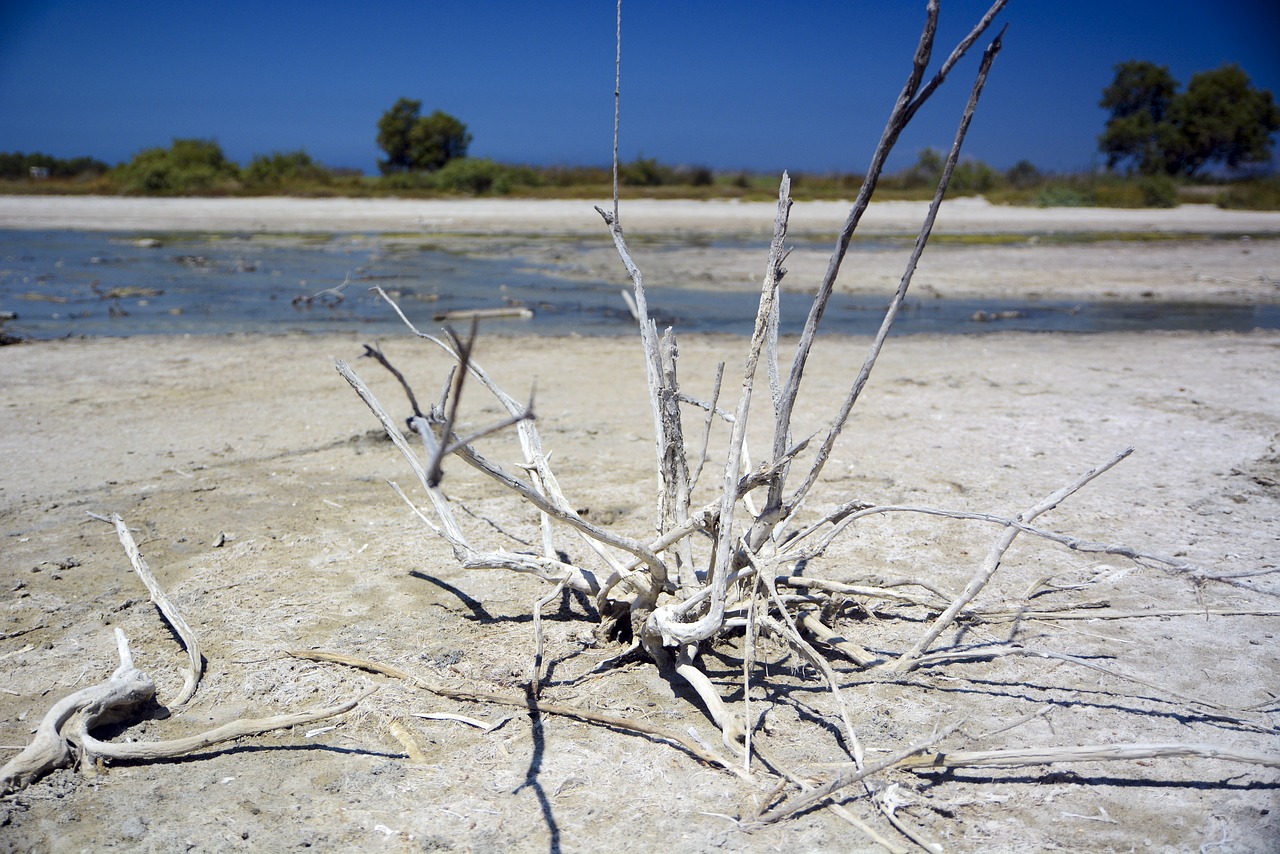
x=763, y=86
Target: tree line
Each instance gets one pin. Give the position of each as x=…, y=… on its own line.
x=1155, y=137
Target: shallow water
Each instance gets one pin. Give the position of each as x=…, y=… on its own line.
x=70, y=283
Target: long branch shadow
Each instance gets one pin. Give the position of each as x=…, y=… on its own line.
x=239, y=749
x=988, y=776
x=564, y=612
x=535, y=766
x=478, y=611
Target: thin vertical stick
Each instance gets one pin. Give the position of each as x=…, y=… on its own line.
x=617, y=110
x=748, y=661
x=706, y=427
x=666, y=433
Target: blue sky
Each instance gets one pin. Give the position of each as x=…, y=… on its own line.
x=758, y=85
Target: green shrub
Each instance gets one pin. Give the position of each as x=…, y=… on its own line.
x=1061, y=196
x=1023, y=175
x=16, y=165
x=1259, y=194
x=280, y=170
x=188, y=167
x=574, y=176
x=973, y=177
x=1117, y=193
x=644, y=172
x=1158, y=191
x=474, y=176
x=407, y=181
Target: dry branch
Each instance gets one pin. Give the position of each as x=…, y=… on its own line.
x=126, y=689
x=63, y=733
x=170, y=748
x=191, y=677
x=810, y=799
x=992, y=562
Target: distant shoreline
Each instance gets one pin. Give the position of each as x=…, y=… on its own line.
x=544, y=217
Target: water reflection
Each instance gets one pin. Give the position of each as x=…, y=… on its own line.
x=61, y=283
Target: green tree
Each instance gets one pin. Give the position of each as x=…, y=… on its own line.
x=436, y=139
x=926, y=171
x=1156, y=130
x=1139, y=100
x=1222, y=118
x=413, y=142
x=394, y=129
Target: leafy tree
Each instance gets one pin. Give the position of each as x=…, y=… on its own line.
x=1222, y=118
x=1139, y=100
x=973, y=176
x=413, y=142
x=926, y=171
x=1159, y=131
x=436, y=139
x=394, y=129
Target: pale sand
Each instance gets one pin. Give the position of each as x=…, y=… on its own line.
x=257, y=486
x=258, y=442
x=577, y=217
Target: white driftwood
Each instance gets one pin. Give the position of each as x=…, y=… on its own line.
x=63, y=733
x=191, y=676
x=170, y=748
x=513, y=311
x=118, y=696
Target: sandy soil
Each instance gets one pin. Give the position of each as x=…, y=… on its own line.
x=574, y=217
x=256, y=483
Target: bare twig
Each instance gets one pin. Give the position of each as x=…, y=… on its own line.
x=808, y=800
x=909, y=101
x=992, y=562
x=191, y=676
x=463, y=349
x=536, y=680
x=374, y=352
x=922, y=240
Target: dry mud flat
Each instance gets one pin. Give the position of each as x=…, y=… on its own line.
x=256, y=484
x=1193, y=253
